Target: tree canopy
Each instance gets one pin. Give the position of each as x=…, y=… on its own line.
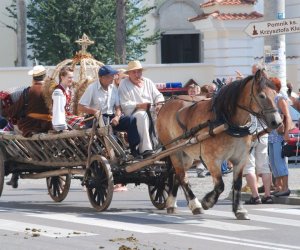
x=55, y=25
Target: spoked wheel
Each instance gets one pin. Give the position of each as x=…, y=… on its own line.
x=58, y=186
x=160, y=190
x=2, y=171
x=99, y=183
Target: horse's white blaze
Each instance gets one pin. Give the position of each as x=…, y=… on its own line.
x=193, y=204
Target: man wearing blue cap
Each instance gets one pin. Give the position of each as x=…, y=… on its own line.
x=102, y=96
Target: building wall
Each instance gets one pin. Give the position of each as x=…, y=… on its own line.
x=170, y=17
x=227, y=46
x=8, y=39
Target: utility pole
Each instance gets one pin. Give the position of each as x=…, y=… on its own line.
x=21, y=33
x=120, y=46
x=275, y=45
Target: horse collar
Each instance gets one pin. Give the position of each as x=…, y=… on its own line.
x=241, y=131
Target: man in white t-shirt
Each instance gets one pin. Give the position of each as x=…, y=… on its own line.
x=137, y=95
x=103, y=96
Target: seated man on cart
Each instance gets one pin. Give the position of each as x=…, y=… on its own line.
x=102, y=96
x=30, y=112
x=137, y=95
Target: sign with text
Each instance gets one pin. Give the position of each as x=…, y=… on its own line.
x=273, y=28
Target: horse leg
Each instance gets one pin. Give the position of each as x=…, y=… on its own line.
x=237, y=206
x=182, y=161
x=211, y=198
x=193, y=202
x=171, y=200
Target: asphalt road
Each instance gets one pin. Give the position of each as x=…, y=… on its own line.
x=29, y=219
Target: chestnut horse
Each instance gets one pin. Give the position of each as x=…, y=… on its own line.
x=232, y=105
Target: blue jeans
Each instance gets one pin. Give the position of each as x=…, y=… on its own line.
x=224, y=167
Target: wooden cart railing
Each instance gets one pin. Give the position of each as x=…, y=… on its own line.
x=69, y=148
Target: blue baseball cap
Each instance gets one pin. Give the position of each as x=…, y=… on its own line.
x=107, y=70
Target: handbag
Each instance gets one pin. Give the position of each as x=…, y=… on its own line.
x=288, y=150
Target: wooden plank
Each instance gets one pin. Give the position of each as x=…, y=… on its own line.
x=200, y=137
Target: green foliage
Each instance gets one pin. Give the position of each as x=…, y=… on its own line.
x=12, y=13
x=55, y=25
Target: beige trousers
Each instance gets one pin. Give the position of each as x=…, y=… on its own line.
x=142, y=122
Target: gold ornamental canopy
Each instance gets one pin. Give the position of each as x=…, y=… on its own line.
x=84, y=64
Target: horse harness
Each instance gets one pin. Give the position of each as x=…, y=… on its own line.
x=233, y=130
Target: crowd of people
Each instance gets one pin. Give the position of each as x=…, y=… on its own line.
x=126, y=100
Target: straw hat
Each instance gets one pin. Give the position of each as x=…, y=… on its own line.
x=134, y=65
x=37, y=70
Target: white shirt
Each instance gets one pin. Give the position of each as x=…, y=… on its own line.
x=58, y=110
x=98, y=98
x=130, y=94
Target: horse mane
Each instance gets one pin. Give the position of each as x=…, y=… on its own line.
x=225, y=101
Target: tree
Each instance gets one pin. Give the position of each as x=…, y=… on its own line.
x=12, y=13
x=17, y=11
x=120, y=50
x=136, y=43
x=55, y=25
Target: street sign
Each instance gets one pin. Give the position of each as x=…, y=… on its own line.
x=273, y=28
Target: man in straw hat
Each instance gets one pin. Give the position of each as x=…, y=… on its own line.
x=30, y=111
x=137, y=95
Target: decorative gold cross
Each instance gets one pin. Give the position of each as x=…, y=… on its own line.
x=84, y=42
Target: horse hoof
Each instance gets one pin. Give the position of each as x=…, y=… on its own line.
x=171, y=210
x=204, y=205
x=198, y=210
x=242, y=216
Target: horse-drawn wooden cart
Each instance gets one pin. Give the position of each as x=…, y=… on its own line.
x=93, y=155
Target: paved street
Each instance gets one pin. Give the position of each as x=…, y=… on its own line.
x=29, y=219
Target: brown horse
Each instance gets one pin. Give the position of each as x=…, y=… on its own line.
x=232, y=105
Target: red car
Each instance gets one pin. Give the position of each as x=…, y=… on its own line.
x=292, y=147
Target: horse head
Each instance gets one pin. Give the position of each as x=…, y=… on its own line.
x=262, y=100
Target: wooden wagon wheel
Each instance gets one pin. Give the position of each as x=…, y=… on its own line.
x=2, y=171
x=160, y=190
x=99, y=183
x=59, y=186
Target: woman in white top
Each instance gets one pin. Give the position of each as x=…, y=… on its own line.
x=62, y=117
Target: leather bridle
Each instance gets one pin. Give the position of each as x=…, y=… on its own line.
x=262, y=112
